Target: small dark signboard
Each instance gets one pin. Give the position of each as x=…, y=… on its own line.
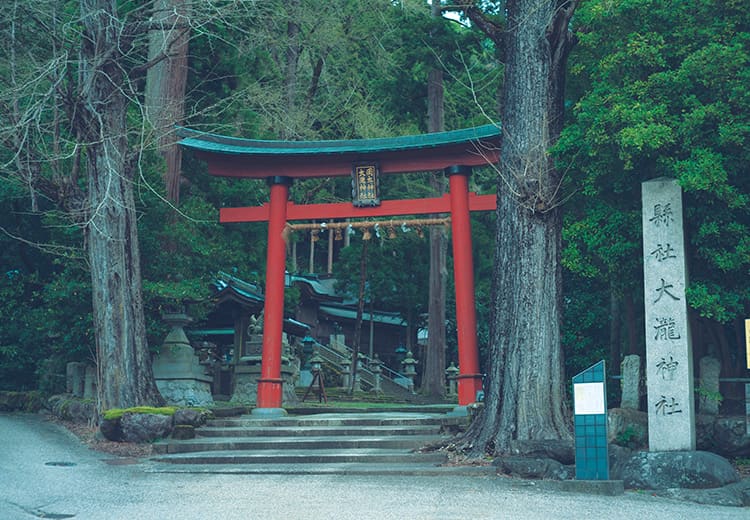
x=366, y=185
x=590, y=404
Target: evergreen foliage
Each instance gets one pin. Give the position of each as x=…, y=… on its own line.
x=660, y=89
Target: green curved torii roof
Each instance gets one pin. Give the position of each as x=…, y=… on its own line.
x=257, y=158
x=222, y=144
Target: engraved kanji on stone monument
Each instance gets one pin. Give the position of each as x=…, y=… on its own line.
x=669, y=358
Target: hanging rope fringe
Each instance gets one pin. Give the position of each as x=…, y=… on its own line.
x=368, y=227
x=405, y=225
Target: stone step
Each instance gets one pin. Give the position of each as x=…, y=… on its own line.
x=313, y=456
x=406, y=468
x=393, y=442
x=317, y=431
x=343, y=419
x=356, y=408
x=319, y=443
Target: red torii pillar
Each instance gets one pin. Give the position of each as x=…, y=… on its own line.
x=469, y=378
x=270, y=383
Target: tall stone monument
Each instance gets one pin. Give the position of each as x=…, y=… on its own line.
x=669, y=356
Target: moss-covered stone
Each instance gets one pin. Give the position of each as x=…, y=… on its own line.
x=116, y=413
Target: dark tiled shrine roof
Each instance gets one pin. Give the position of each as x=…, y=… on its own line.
x=222, y=144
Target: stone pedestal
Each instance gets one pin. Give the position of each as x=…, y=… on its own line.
x=630, y=368
x=669, y=356
x=247, y=373
x=246, y=376
x=180, y=377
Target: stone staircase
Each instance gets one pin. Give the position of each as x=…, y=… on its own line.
x=391, y=383
x=366, y=442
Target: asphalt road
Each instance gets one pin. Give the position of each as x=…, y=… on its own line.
x=46, y=473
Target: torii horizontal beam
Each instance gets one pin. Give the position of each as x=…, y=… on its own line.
x=343, y=210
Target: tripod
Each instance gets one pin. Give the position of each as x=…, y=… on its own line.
x=321, y=389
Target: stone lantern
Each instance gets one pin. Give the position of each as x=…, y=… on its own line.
x=358, y=374
x=317, y=385
x=409, y=367
x=305, y=373
x=376, y=367
x=307, y=350
x=346, y=370
x=400, y=353
x=452, y=374
x=316, y=362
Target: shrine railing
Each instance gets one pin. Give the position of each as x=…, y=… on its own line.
x=390, y=380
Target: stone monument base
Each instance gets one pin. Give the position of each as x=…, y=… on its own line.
x=246, y=377
x=185, y=392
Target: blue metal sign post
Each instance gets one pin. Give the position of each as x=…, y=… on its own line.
x=590, y=408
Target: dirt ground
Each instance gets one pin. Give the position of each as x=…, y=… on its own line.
x=90, y=437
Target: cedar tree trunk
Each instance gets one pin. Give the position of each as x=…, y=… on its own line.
x=166, y=81
x=123, y=360
x=433, y=377
x=525, y=389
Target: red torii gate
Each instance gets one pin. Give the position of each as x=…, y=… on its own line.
x=280, y=162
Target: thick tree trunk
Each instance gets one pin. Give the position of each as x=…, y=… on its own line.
x=525, y=394
x=123, y=360
x=166, y=82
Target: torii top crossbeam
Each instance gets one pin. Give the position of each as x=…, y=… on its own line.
x=282, y=161
x=229, y=156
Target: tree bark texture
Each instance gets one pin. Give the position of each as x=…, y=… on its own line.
x=166, y=81
x=526, y=389
x=433, y=376
x=293, y=52
x=125, y=376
